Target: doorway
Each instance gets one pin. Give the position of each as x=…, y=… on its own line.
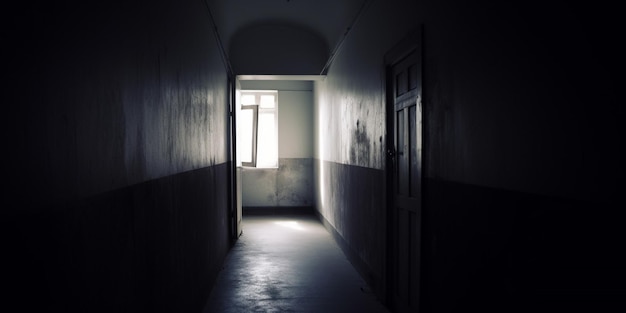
x=404, y=178
x=281, y=182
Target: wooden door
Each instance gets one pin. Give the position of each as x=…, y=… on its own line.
x=235, y=213
x=405, y=177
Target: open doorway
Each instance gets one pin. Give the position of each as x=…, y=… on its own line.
x=275, y=144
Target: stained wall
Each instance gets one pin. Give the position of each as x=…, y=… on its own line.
x=117, y=174
x=521, y=152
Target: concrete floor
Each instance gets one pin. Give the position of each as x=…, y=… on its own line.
x=289, y=264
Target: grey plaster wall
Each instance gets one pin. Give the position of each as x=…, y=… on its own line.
x=350, y=136
x=290, y=185
x=515, y=134
x=116, y=175
x=493, y=120
x=112, y=95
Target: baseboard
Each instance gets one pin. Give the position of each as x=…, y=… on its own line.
x=283, y=210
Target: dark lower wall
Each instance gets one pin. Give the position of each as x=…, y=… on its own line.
x=496, y=250
x=484, y=249
x=152, y=247
x=351, y=201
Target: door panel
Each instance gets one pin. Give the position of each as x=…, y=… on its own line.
x=403, y=166
x=406, y=180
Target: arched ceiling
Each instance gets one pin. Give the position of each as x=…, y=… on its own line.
x=329, y=19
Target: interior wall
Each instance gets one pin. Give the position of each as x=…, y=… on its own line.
x=291, y=184
x=350, y=136
x=521, y=122
x=117, y=180
x=280, y=48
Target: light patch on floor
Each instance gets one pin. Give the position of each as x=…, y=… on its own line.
x=291, y=224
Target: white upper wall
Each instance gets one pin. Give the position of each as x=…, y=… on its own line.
x=295, y=115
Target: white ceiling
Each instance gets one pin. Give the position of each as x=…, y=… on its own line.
x=330, y=19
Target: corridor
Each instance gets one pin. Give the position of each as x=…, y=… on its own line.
x=289, y=263
x=467, y=155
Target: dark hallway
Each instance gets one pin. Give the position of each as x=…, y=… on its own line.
x=465, y=156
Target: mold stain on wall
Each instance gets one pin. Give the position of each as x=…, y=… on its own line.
x=290, y=185
x=294, y=185
x=360, y=148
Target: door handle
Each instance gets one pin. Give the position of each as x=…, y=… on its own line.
x=392, y=153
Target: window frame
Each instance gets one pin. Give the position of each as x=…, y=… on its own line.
x=255, y=118
x=256, y=110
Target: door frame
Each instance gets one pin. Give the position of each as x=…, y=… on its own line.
x=409, y=44
x=234, y=214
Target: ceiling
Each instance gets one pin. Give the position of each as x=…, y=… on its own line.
x=329, y=19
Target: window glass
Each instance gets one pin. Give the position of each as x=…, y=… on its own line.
x=245, y=135
x=267, y=149
x=257, y=129
x=267, y=102
x=248, y=99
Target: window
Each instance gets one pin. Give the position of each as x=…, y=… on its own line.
x=258, y=129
